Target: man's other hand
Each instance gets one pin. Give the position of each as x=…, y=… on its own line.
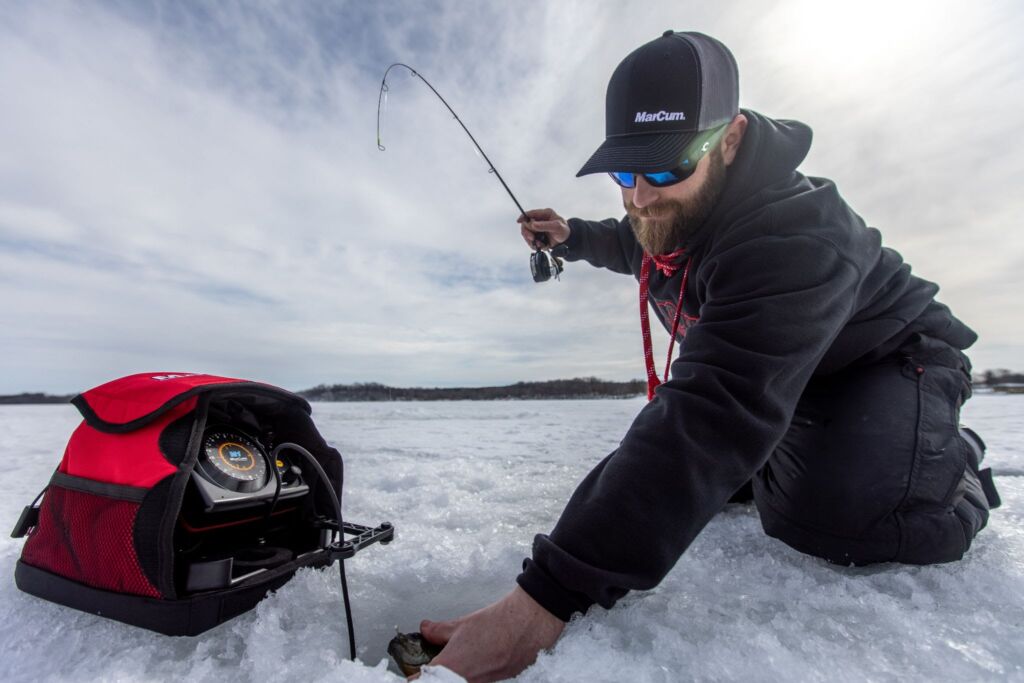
x=540, y=222
x=496, y=642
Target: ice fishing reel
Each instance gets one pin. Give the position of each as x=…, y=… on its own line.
x=544, y=266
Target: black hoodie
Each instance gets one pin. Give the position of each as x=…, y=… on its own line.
x=786, y=283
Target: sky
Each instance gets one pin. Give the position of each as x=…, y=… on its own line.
x=197, y=187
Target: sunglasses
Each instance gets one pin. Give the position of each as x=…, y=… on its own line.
x=686, y=168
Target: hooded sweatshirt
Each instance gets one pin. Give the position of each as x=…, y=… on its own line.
x=786, y=283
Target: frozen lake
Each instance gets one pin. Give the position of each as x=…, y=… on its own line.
x=467, y=485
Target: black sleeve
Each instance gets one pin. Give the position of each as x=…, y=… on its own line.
x=772, y=308
x=606, y=244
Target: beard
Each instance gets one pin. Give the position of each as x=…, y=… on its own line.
x=662, y=227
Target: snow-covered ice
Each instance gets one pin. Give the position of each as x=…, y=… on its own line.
x=468, y=485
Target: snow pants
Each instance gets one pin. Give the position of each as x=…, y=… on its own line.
x=875, y=467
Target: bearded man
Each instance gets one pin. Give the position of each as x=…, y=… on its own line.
x=815, y=374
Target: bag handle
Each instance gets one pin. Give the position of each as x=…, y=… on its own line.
x=29, y=517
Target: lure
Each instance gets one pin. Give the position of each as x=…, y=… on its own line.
x=411, y=651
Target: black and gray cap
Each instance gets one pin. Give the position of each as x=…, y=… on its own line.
x=661, y=96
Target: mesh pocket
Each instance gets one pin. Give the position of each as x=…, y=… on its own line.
x=88, y=538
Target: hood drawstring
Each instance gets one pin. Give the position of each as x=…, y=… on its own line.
x=667, y=264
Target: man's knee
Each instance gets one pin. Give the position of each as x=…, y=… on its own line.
x=929, y=534
x=875, y=469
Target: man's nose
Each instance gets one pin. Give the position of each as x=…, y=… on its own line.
x=644, y=193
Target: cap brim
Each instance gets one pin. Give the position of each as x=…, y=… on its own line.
x=649, y=153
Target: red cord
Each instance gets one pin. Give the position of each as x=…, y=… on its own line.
x=668, y=265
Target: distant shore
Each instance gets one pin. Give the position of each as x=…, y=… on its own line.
x=558, y=389
x=28, y=399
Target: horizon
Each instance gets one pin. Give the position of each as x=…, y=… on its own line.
x=371, y=383
x=197, y=185
x=976, y=377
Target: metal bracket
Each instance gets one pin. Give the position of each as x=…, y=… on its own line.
x=383, y=533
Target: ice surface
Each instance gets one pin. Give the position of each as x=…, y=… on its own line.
x=468, y=485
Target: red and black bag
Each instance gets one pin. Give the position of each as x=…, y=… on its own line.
x=182, y=499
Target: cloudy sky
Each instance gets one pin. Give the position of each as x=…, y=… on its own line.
x=196, y=186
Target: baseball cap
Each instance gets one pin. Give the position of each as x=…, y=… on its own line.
x=660, y=98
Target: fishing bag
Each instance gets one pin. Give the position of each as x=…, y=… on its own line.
x=181, y=500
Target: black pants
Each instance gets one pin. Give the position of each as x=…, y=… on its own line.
x=874, y=467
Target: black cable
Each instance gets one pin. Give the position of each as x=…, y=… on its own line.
x=277, y=491
x=336, y=502
x=348, y=607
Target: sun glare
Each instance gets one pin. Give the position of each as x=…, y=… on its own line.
x=847, y=39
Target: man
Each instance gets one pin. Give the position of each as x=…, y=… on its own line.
x=815, y=372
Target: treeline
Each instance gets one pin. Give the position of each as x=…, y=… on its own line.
x=1002, y=380
x=580, y=387
x=14, y=399
x=993, y=378
x=584, y=387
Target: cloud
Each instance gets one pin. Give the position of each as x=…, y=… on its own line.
x=196, y=186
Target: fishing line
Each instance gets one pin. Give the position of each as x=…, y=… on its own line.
x=383, y=97
x=543, y=265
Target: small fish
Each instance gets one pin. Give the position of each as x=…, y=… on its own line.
x=411, y=651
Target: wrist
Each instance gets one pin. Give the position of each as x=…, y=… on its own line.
x=543, y=627
x=573, y=241
x=535, y=611
x=549, y=594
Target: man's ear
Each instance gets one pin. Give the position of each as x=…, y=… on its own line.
x=733, y=138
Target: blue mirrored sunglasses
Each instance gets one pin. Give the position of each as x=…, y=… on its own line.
x=686, y=168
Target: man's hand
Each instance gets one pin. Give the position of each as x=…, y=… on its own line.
x=539, y=222
x=496, y=642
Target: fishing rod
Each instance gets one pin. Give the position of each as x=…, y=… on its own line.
x=543, y=265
